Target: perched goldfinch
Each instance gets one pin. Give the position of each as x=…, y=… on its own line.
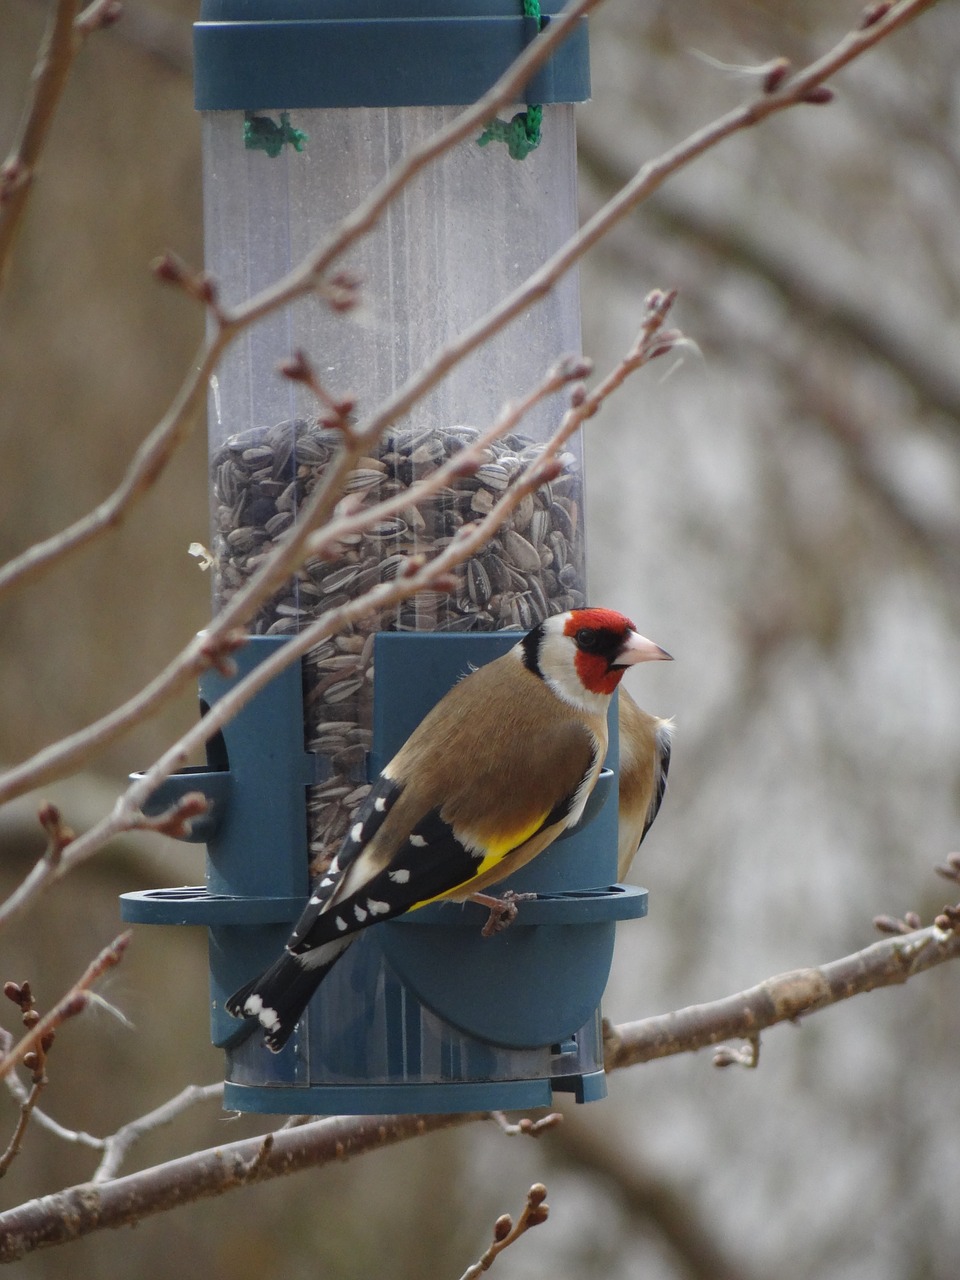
x=645, y=742
x=492, y=775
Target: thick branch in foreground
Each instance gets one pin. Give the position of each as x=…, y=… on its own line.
x=784, y=998
x=80, y=1210
x=77, y=1211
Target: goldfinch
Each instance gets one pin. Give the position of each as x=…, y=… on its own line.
x=491, y=776
x=645, y=742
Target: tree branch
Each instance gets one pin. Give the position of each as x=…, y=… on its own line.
x=49, y=79
x=838, y=303
x=57, y=759
x=80, y=1210
x=27, y=1109
x=77, y=1211
x=61, y=44
x=784, y=998
x=506, y=1232
x=420, y=574
x=118, y=1145
x=74, y=1002
x=303, y=279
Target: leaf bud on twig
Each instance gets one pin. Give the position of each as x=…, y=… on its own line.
x=775, y=74
x=168, y=268
x=296, y=367
x=874, y=12
x=818, y=95
x=502, y=1227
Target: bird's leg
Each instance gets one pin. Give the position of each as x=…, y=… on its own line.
x=503, y=911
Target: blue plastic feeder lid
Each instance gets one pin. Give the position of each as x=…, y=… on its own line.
x=253, y=54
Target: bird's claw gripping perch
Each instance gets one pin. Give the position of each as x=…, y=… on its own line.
x=503, y=910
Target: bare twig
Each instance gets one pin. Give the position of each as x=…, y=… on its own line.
x=74, y=1002
x=506, y=1232
x=175, y=821
x=61, y=44
x=74, y=1136
x=784, y=998
x=49, y=79
x=653, y=341
x=117, y=1146
x=525, y=1126
x=306, y=277
x=791, y=92
x=36, y=1060
x=27, y=1107
x=57, y=759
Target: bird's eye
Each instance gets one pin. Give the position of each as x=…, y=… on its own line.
x=587, y=639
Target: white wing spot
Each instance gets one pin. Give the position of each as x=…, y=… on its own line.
x=315, y=900
x=269, y=1018
x=359, y=912
x=356, y=831
x=400, y=876
x=418, y=842
x=380, y=804
x=340, y=923
x=377, y=908
x=253, y=1005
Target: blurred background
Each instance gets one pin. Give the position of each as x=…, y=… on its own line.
x=779, y=509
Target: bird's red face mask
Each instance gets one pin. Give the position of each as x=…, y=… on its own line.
x=607, y=643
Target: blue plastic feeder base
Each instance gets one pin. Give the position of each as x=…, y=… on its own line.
x=402, y=1099
x=422, y=1014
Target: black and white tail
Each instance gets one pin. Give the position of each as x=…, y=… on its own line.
x=279, y=996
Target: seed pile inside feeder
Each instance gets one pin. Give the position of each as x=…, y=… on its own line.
x=532, y=568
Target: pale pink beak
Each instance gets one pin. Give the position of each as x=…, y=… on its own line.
x=637, y=648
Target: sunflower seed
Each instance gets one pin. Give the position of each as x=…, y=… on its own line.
x=523, y=553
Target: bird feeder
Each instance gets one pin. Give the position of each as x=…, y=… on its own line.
x=306, y=105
